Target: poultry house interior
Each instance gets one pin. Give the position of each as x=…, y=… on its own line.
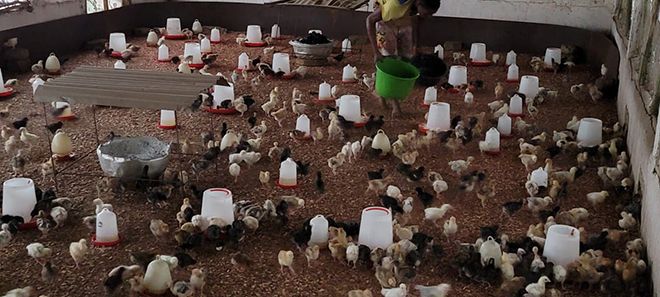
x=152, y=148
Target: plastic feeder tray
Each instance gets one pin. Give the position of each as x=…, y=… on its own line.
x=395, y=79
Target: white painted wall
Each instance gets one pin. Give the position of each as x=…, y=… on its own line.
x=588, y=14
x=641, y=140
x=44, y=10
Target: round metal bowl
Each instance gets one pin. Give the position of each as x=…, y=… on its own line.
x=311, y=51
x=126, y=156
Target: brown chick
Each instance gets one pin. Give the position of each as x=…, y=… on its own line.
x=312, y=254
x=241, y=261
x=159, y=228
x=285, y=258
x=511, y=287
x=48, y=272
x=360, y=293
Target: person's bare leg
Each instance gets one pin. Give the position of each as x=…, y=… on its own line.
x=396, y=108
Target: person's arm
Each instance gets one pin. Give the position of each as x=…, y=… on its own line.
x=372, y=19
x=415, y=33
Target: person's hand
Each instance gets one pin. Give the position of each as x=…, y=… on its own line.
x=378, y=57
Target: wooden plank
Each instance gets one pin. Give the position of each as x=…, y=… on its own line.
x=188, y=91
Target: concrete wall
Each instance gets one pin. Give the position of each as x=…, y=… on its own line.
x=587, y=14
x=642, y=132
x=47, y=10
x=44, y=10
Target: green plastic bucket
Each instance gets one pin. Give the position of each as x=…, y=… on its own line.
x=395, y=79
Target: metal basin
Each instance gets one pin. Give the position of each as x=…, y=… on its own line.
x=126, y=156
x=311, y=51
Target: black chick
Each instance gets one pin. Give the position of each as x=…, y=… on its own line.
x=391, y=203
x=197, y=103
x=454, y=121
x=142, y=258
x=20, y=123
x=248, y=100
x=185, y=259
x=156, y=196
x=344, y=123
x=286, y=153
x=487, y=231
x=302, y=168
x=320, y=184
x=338, y=57
x=212, y=153
x=598, y=242
x=143, y=182
x=282, y=211
x=225, y=104
x=364, y=255
x=175, y=60
x=192, y=241
x=446, y=86
x=476, y=84
x=544, y=214
x=426, y=198
x=352, y=228
x=255, y=61
x=252, y=120
x=374, y=124
x=511, y=207
x=553, y=151
x=223, y=129
x=375, y=174
x=54, y=127
x=417, y=174
x=196, y=192
x=301, y=237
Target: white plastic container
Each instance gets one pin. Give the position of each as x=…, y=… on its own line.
x=173, y=26
x=349, y=108
x=348, y=74
x=562, y=245
x=516, y=106
x=319, y=235
x=504, y=125
x=430, y=95
x=2, y=83
x=197, y=26
x=120, y=65
x=18, y=198
x=157, y=278
x=218, y=203
x=222, y=93
x=281, y=63
x=61, y=144
x=439, y=117
x=346, y=45
x=457, y=75
x=381, y=142
x=163, y=53
x=117, y=42
x=243, y=61
x=590, y=132
x=35, y=84
x=253, y=33
x=106, y=227
x=376, y=227
x=167, y=118
x=440, y=51
x=493, y=140
x=551, y=54
x=52, y=64
x=275, y=31
x=325, y=91
x=288, y=173
x=302, y=124
x=529, y=85
x=539, y=177
x=193, y=49
x=513, y=73
x=215, y=35
x=511, y=58
x=478, y=52
x=205, y=45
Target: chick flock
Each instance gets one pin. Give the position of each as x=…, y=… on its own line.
x=516, y=265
